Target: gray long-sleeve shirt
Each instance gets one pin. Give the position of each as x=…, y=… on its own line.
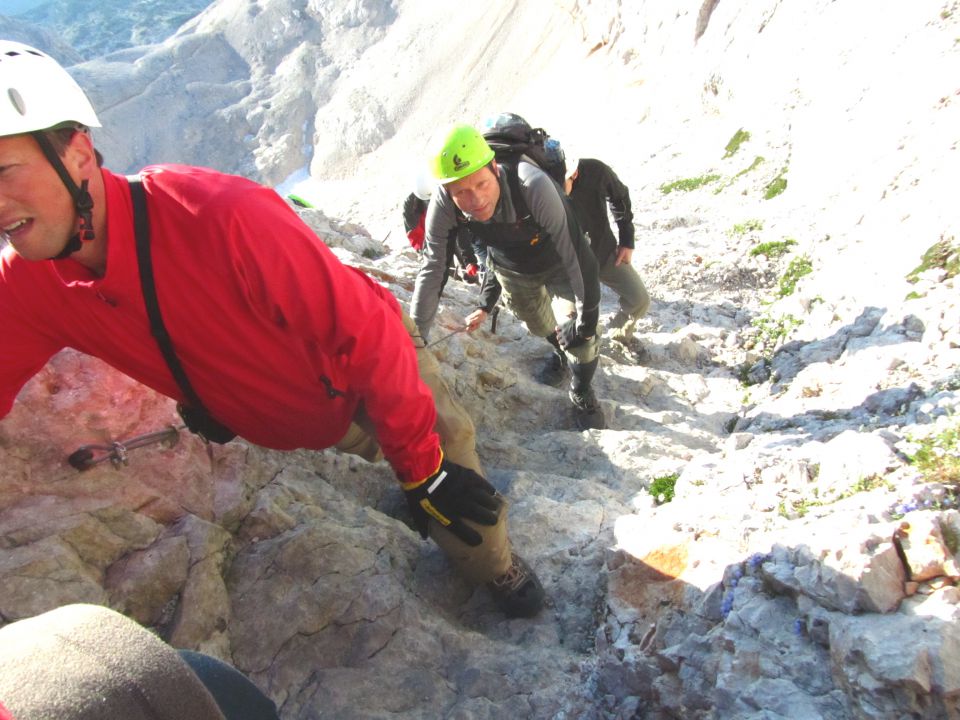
x=561, y=242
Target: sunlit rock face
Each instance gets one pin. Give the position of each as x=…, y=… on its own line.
x=747, y=539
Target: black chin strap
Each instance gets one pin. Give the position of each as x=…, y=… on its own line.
x=82, y=200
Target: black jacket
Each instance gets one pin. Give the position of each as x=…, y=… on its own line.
x=461, y=243
x=596, y=186
x=413, y=208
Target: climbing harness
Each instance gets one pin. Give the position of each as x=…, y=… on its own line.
x=86, y=456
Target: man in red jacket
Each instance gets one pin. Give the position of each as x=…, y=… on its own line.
x=280, y=341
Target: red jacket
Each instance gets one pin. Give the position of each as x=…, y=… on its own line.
x=280, y=340
x=4, y=713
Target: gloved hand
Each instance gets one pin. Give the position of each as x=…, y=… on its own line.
x=453, y=493
x=570, y=336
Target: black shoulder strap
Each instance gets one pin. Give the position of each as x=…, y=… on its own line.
x=141, y=227
x=513, y=182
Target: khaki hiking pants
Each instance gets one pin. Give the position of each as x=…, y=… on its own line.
x=539, y=299
x=626, y=283
x=492, y=557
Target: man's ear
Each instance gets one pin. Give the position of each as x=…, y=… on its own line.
x=495, y=168
x=80, y=156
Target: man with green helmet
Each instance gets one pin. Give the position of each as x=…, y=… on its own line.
x=536, y=253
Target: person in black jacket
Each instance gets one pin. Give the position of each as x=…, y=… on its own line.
x=593, y=186
x=463, y=263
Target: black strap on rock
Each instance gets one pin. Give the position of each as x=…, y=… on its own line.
x=194, y=414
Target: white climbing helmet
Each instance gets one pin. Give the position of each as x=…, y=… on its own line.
x=36, y=93
x=424, y=184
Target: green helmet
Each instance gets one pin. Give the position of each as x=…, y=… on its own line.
x=464, y=151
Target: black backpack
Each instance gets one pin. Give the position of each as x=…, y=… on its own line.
x=510, y=136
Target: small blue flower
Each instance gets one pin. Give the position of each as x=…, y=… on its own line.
x=798, y=627
x=727, y=604
x=905, y=507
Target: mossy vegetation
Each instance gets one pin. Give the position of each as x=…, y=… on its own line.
x=662, y=487
x=776, y=186
x=773, y=249
x=943, y=254
x=757, y=161
x=741, y=229
x=739, y=137
x=797, y=268
x=798, y=507
x=688, y=184
x=950, y=537
x=772, y=331
x=793, y=509
x=938, y=457
x=723, y=186
x=866, y=485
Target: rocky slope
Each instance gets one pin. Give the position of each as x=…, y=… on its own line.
x=804, y=567
x=95, y=29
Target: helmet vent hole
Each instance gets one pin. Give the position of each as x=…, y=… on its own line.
x=17, y=101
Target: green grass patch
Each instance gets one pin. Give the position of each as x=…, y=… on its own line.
x=741, y=229
x=943, y=254
x=688, y=184
x=723, y=186
x=772, y=331
x=739, y=137
x=776, y=186
x=792, y=510
x=938, y=458
x=662, y=487
x=950, y=537
x=757, y=161
x=797, y=268
x=773, y=249
x=866, y=485
x=799, y=507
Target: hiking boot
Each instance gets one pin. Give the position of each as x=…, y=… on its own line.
x=554, y=370
x=641, y=356
x=621, y=327
x=587, y=411
x=518, y=592
x=630, y=352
